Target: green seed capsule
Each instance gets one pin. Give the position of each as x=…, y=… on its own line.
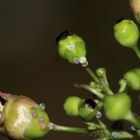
x=87, y=109
x=126, y=33
x=71, y=47
x=135, y=6
x=22, y=118
x=117, y=107
x=38, y=126
x=133, y=78
x=71, y=105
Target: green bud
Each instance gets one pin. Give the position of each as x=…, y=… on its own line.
x=126, y=33
x=71, y=47
x=135, y=6
x=117, y=107
x=94, y=85
x=101, y=72
x=87, y=109
x=22, y=117
x=133, y=78
x=71, y=105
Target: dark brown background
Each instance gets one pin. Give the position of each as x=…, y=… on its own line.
x=30, y=65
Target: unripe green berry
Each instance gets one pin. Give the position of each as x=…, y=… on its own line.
x=135, y=6
x=87, y=109
x=71, y=47
x=117, y=106
x=126, y=33
x=133, y=78
x=71, y=105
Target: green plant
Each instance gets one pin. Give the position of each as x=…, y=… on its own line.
x=22, y=118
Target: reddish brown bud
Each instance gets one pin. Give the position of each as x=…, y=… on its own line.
x=135, y=6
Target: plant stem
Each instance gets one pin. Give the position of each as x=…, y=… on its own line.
x=133, y=120
x=104, y=84
x=137, y=51
x=115, y=134
x=94, y=91
x=123, y=85
x=70, y=129
x=122, y=135
x=91, y=73
x=108, y=90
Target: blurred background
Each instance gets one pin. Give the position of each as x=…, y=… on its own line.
x=29, y=62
